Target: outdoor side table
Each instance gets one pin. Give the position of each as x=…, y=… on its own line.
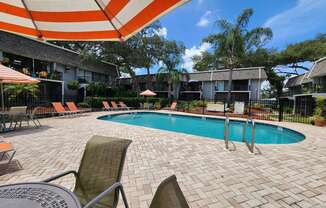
x=37, y=195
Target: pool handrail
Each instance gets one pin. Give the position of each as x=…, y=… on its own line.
x=251, y=146
x=226, y=132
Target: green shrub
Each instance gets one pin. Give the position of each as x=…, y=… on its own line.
x=73, y=85
x=319, y=110
x=83, y=105
x=97, y=89
x=117, y=92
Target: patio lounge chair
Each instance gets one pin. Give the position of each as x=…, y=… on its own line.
x=173, y=106
x=115, y=106
x=73, y=108
x=99, y=173
x=123, y=105
x=239, y=107
x=7, y=153
x=16, y=115
x=61, y=111
x=215, y=107
x=106, y=106
x=169, y=194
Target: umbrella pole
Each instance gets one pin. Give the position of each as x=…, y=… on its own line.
x=2, y=99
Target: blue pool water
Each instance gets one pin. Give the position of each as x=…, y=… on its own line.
x=208, y=127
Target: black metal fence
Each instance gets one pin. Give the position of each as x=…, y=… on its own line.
x=287, y=110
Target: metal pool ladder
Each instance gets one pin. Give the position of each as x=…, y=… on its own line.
x=251, y=146
x=226, y=132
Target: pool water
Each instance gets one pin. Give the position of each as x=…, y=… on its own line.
x=208, y=127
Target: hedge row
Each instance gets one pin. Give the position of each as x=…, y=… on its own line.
x=96, y=102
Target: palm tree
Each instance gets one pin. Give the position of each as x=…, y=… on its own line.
x=171, y=56
x=235, y=40
x=174, y=75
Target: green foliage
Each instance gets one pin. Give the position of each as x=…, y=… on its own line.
x=171, y=57
x=18, y=90
x=97, y=89
x=198, y=104
x=117, y=92
x=83, y=105
x=73, y=85
x=319, y=109
x=157, y=105
x=235, y=40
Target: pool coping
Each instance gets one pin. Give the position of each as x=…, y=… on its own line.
x=261, y=122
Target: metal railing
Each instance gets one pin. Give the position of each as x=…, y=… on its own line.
x=226, y=132
x=250, y=146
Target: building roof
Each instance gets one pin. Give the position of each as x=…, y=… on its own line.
x=238, y=74
x=298, y=80
x=319, y=68
x=44, y=51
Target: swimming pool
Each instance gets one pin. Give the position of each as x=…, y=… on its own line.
x=207, y=127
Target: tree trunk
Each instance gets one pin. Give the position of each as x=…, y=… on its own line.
x=170, y=90
x=229, y=86
x=135, y=83
x=149, y=79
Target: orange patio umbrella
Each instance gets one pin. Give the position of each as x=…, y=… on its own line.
x=10, y=76
x=81, y=19
x=148, y=93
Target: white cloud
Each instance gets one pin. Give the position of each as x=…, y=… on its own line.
x=304, y=18
x=194, y=51
x=205, y=20
x=163, y=32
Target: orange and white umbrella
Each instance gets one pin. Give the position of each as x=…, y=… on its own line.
x=83, y=20
x=10, y=76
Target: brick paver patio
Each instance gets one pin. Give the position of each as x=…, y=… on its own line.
x=281, y=176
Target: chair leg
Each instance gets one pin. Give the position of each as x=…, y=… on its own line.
x=124, y=198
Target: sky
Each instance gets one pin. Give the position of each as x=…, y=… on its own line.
x=291, y=21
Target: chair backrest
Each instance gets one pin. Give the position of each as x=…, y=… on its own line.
x=114, y=104
x=215, y=107
x=239, y=107
x=58, y=107
x=169, y=194
x=173, y=105
x=5, y=147
x=72, y=106
x=18, y=110
x=122, y=104
x=101, y=166
x=35, y=111
x=106, y=104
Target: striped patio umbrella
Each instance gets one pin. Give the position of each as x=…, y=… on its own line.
x=10, y=76
x=83, y=20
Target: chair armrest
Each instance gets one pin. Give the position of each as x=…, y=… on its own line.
x=98, y=198
x=61, y=175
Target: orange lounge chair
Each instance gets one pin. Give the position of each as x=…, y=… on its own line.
x=173, y=106
x=123, y=105
x=5, y=149
x=115, y=106
x=60, y=110
x=73, y=108
x=106, y=106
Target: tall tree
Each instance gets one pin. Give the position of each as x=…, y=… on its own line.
x=171, y=57
x=235, y=40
